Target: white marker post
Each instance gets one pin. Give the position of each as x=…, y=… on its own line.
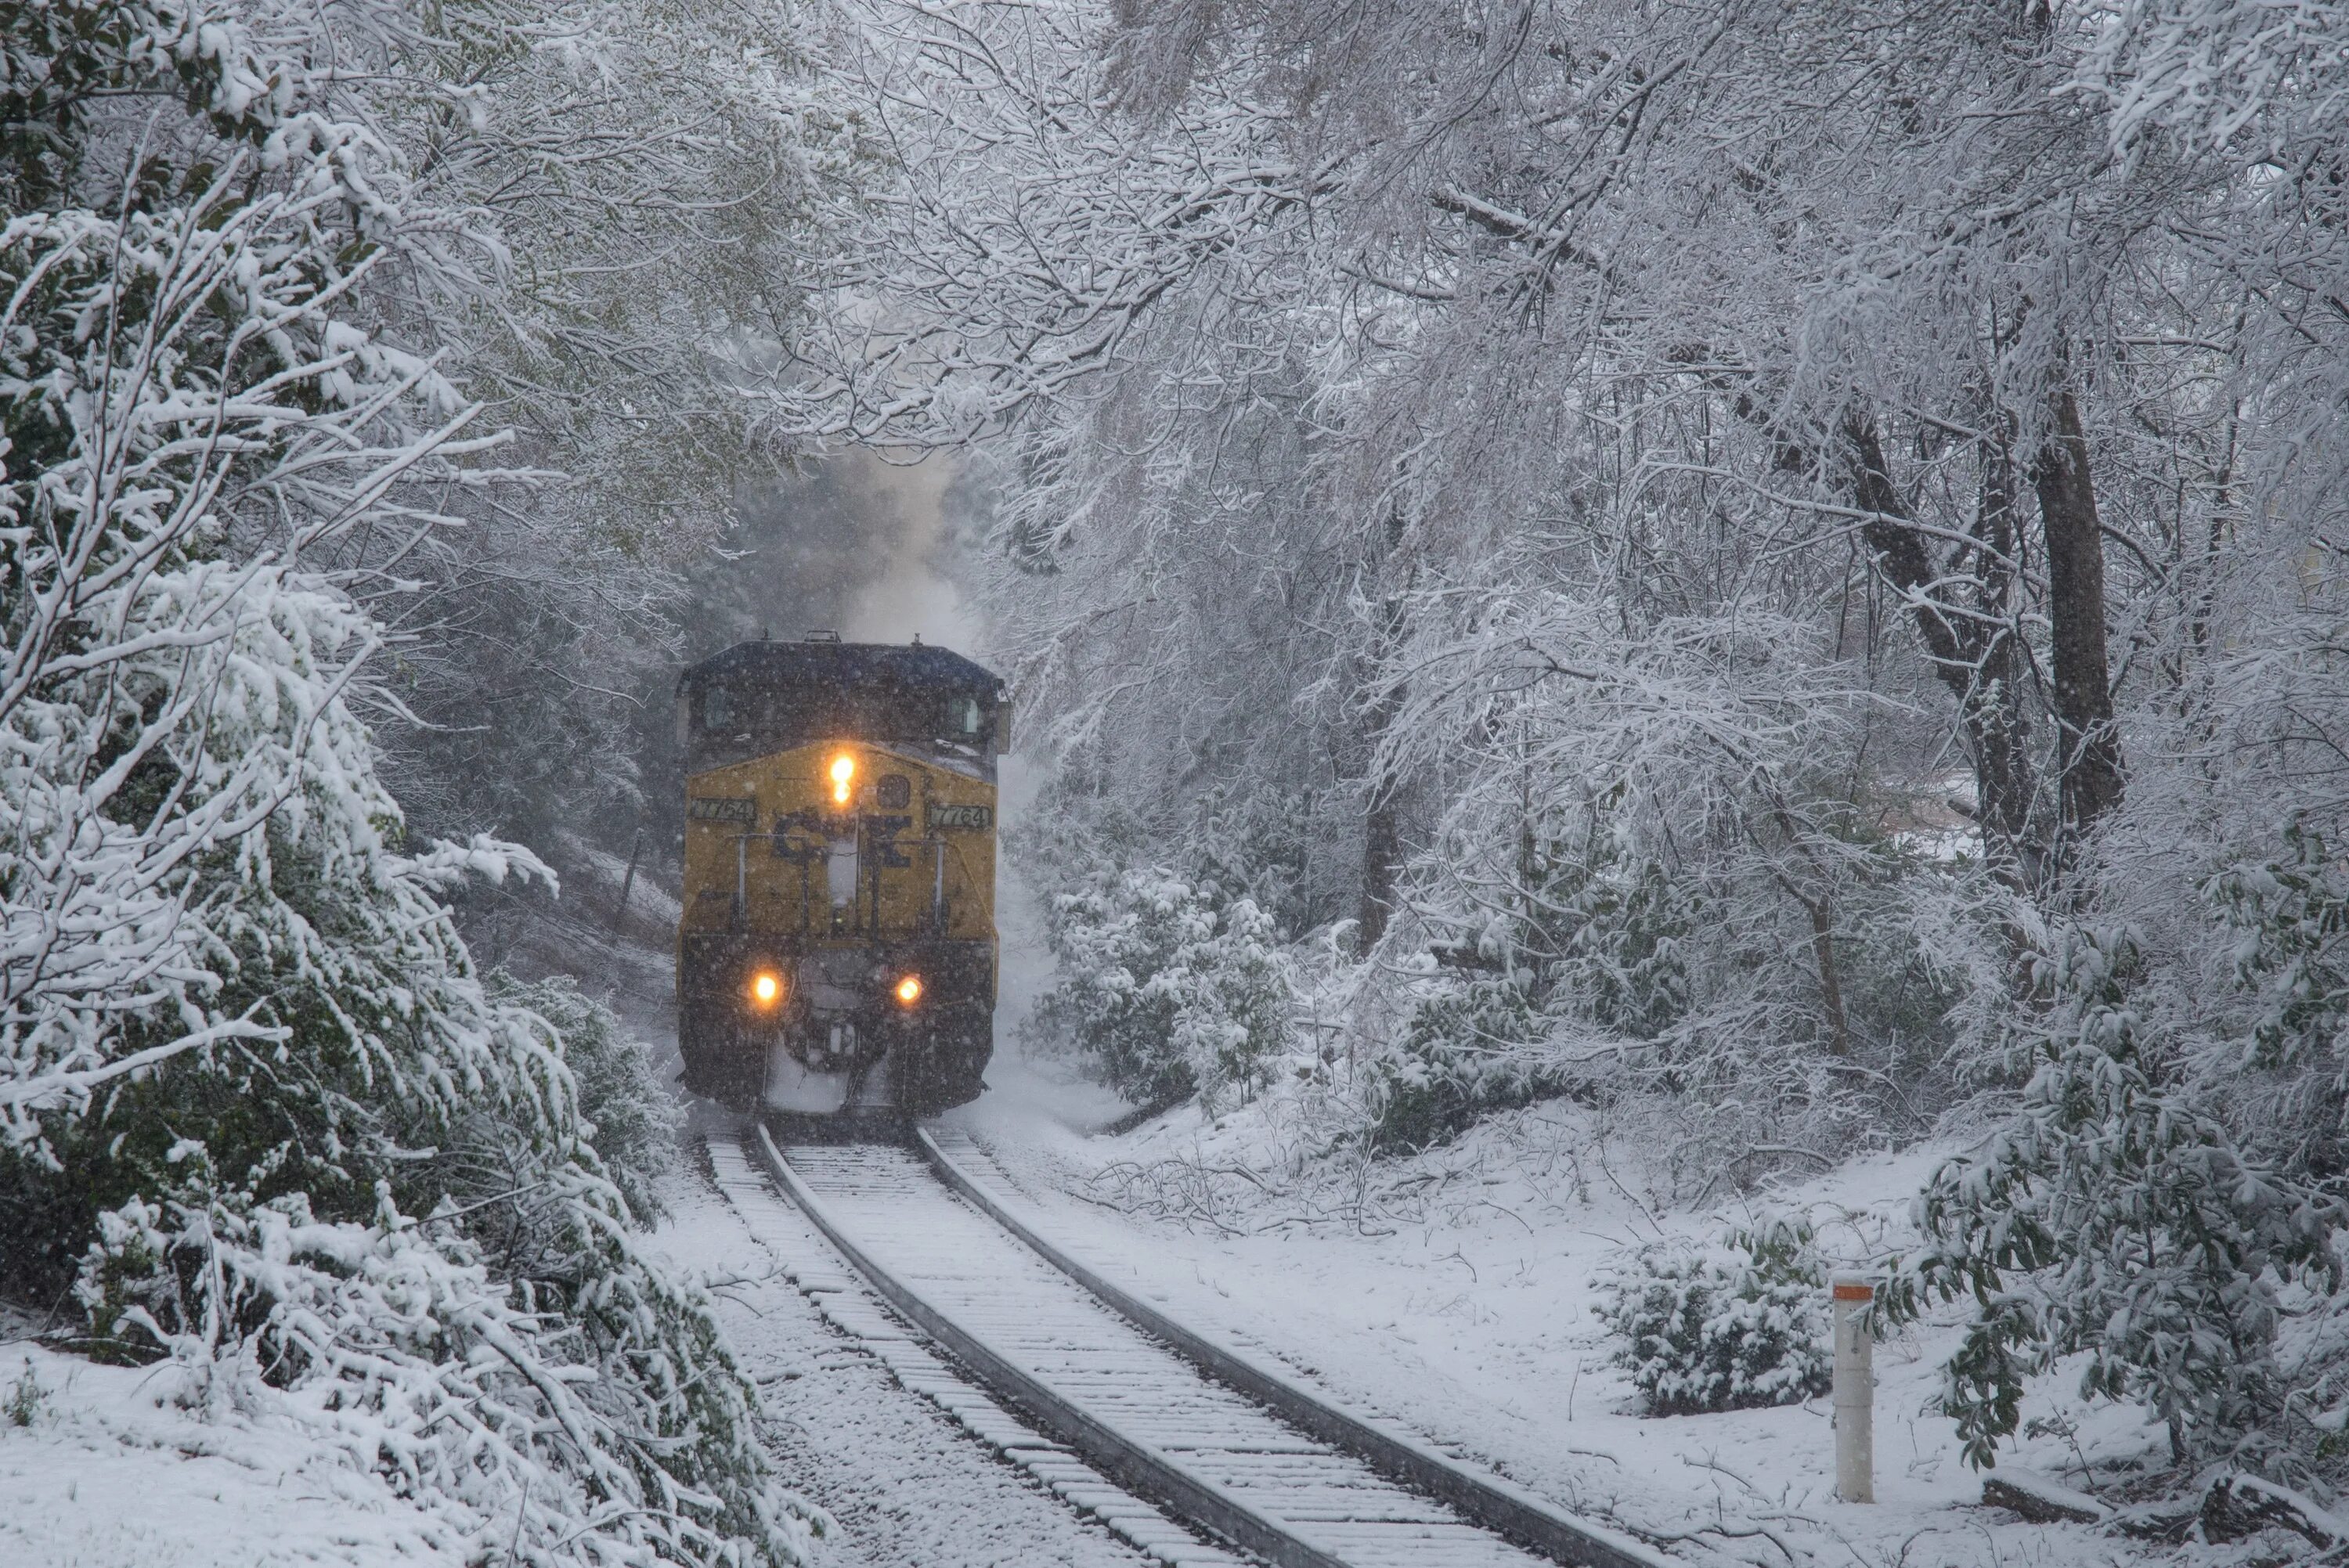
x=1855, y=1391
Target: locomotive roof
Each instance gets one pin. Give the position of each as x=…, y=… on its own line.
x=826, y=662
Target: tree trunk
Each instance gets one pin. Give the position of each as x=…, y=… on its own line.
x=1382, y=863
x=1382, y=809
x=2003, y=758
x=1972, y=652
x=2089, y=738
x=1819, y=908
x=1822, y=949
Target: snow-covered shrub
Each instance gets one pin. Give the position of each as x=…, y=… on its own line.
x=1165, y=990
x=625, y=1114
x=1594, y=938
x=1623, y=927
x=1265, y=846
x=1727, y=1327
x=1473, y=1045
x=2286, y=915
x=2112, y=1216
x=610, y=1427
x=25, y=1398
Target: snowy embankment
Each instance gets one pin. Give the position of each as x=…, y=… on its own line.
x=1454, y=1290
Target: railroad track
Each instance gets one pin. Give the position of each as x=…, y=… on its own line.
x=1110, y=1402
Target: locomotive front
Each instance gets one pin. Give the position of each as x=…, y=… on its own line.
x=836, y=949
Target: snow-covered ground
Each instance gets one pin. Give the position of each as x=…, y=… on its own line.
x=1454, y=1291
x=101, y=1468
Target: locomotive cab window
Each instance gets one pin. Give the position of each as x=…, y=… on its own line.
x=718, y=708
x=964, y=717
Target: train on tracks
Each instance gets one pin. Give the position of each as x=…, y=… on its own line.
x=836, y=953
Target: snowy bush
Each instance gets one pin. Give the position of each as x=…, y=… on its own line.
x=600, y=1424
x=2110, y=1216
x=1267, y=846
x=25, y=1398
x=625, y=1114
x=1597, y=936
x=1728, y=1327
x=1471, y=1047
x=1623, y=925
x=1166, y=991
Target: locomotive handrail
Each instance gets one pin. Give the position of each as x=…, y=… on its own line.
x=1490, y=1500
x=1136, y=1466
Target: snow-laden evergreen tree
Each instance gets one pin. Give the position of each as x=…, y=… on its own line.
x=259, y=1110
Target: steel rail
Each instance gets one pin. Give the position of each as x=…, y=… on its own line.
x=1487, y=1499
x=1136, y=1466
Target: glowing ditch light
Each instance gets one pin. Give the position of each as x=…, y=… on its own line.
x=766, y=985
x=909, y=990
x=843, y=771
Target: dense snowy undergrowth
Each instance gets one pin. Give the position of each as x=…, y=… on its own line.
x=1461, y=1290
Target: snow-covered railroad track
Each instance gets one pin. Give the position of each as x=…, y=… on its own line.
x=808, y=1260
x=1138, y=1412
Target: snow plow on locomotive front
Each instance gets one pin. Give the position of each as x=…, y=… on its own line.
x=837, y=951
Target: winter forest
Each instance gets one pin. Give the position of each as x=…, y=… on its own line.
x=1683, y=646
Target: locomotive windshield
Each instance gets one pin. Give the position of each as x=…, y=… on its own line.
x=784, y=715
x=758, y=696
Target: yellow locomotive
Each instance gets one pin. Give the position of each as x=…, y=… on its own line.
x=837, y=950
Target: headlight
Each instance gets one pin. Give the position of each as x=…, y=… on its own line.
x=844, y=774
x=766, y=989
x=909, y=990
